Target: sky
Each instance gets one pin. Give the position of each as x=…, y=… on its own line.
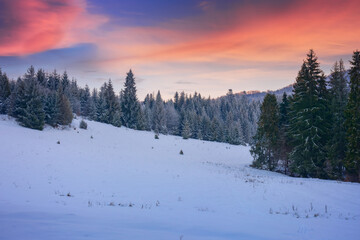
x=208, y=46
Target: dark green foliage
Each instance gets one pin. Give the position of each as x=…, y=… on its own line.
x=50, y=108
x=130, y=105
x=308, y=125
x=284, y=147
x=29, y=110
x=266, y=140
x=186, y=131
x=83, y=124
x=338, y=99
x=64, y=115
x=5, y=92
x=159, y=115
x=352, y=160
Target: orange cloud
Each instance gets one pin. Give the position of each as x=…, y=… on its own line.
x=248, y=33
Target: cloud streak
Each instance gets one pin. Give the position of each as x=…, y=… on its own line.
x=34, y=26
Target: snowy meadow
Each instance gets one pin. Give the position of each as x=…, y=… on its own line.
x=116, y=183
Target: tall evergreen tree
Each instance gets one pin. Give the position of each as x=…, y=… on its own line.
x=338, y=99
x=64, y=114
x=284, y=147
x=352, y=160
x=159, y=115
x=307, y=124
x=29, y=107
x=130, y=105
x=266, y=139
x=5, y=92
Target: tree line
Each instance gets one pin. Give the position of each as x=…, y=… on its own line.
x=315, y=132
x=38, y=98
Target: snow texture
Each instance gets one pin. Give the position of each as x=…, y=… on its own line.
x=116, y=183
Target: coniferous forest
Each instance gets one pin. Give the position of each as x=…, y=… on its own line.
x=315, y=132
x=40, y=98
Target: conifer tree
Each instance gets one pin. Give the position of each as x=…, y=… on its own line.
x=41, y=78
x=284, y=147
x=308, y=127
x=338, y=99
x=50, y=108
x=130, y=106
x=352, y=160
x=29, y=107
x=186, y=130
x=159, y=115
x=64, y=114
x=5, y=92
x=266, y=139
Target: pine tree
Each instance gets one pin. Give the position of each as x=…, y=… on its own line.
x=85, y=101
x=352, y=160
x=5, y=92
x=186, y=130
x=50, y=108
x=159, y=115
x=338, y=99
x=41, y=77
x=29, y=107
x=308, y=127
x=284, y=148
x=111, y=105
x=64, y=114
x=130, y=106
x=265, y=148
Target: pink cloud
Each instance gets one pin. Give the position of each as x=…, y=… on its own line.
x=35, y=25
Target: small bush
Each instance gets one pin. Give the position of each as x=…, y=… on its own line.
x=156, y=136
x=181, y=152
x=83, y=124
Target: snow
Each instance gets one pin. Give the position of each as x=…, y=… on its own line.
x=125, y=184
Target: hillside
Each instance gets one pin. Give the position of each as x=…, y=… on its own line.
x=259, y=95
x=116, y=183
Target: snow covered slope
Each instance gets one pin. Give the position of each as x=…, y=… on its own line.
x=117, y=183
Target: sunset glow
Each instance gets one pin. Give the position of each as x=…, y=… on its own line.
x=205, y=46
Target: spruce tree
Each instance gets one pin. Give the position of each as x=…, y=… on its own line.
x=284, y=147
x=352, y=160
x=64, y=114
x=29, y=106
x=308, y=126
x=4, y=93
x=50, y=108
x=159, y=115
x=130, y=106
x=266, y=139
x=186, y=130
x=338, y=99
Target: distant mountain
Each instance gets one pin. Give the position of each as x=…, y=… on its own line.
x=258, y=95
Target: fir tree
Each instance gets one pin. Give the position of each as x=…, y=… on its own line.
x=159, y=115
x=266, y=139
x=50, y=108
x=29, y=107
x=284, y=147
x=130, y=106
x=352, y=160
x=338, y=99
x=41, y=77
x=307, y=124
x=186, y=130
x=5, y=92
x=64, y=114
